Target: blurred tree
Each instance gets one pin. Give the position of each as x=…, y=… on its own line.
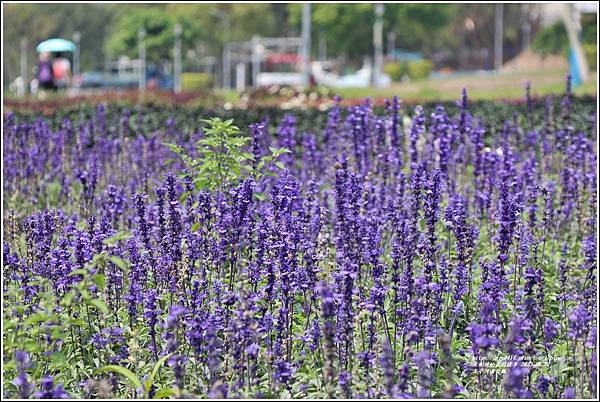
x=160, y=32
x=37, y=22
x=420, y=27
x=203, y=30
x=449, y=34
x=551, y=40
x=349, y=27
x=281, y=15
x=470, y=35
x=554, y=39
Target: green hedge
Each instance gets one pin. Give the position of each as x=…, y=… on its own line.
x=413, y=69
x=591, y=54
x=554, y=40
x=551, y=40
x=196, y=81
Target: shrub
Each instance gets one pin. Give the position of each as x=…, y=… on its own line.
x=551, y=40
x=591, y=54
x=196, y=81
x=413, y=69
x=554, y=40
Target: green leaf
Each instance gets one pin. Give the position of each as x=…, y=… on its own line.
x=85, y=294
x=32, y=346
x=174, y=147
x=260, y=196
x=248, y=155
x=157, y=367
x=78, y=322
x=125, y=372
x=100, y=305
x=67, y=299
x=195, y=227
x=58, y=357
x=97, y=258
x=100, y=281
x=58, y=333
x=80, y=271
x=6, y=325
x=279, y=151
x=280, y=165
x=119, y=262
x=165, y=393
x=119, y=236
x=38, y=317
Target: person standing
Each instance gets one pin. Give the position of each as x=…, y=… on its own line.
x=61, y=69
x=45, y=73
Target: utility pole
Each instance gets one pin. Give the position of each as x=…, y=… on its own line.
x=256, y=58
x=142, y=57
x=177, y=60
x=322, y=46
x=378, y=44
x=76, y=54
x=23, y=88
x=391, y=44
x=498, y=35
x=227, y=54
x=525, y=26
x=240, y=77
x=526, y=35
x=227, y=66
x=226, y=57
x=306, y=44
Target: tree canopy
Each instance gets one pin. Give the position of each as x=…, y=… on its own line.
x=110, y=30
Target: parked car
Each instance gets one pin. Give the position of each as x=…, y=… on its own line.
x=124, y=74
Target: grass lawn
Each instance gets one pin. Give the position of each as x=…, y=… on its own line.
x=480, y=86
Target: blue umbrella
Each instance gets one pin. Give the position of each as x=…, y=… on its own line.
x=56, y=45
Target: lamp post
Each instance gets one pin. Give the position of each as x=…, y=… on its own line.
x=322, y=46
x=378, y=43
x=23, y=88
x=226, y=20
x=391, y=44
x=498, y=34
x=142, y=57
x=257, y=50
x=76, y=54
x=177, y=59
x=306, y=44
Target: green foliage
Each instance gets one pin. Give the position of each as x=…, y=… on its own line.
x=58, y=328
x=591, y=54
x=551, y=40
x=348, y=28
x=139, y=386
x=117, y=237
x=589, y=28
x=160, y=33
x=37, y=22
x=222, y=160
x=413, y=69
x=196, y=81
x=123, y=372
x=554, y=40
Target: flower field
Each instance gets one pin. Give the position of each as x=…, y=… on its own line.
x=361, y=252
